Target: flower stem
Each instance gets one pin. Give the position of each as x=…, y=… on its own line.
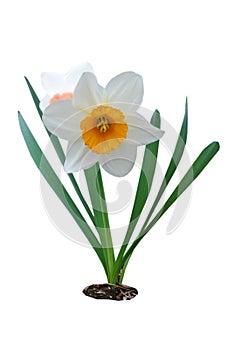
x=97, y=196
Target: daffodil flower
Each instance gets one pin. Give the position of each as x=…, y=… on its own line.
x=102, y=124
x=60, y=86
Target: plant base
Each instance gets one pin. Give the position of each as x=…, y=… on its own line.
x=110, y=291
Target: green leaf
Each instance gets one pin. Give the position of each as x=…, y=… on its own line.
x=197, y=167
x=143, y=188
x=179, y=148
x=59, y=150
x=147, y=173
x=175, y=159
x=55, y=141
x=55, y=183
x=35, y=99
x=200, y=163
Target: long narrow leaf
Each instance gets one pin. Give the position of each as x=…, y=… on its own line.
x=55, y=141
x=54, y=182
x=143, y=188
x=175, y=159
x=179, y=148
x=59, y=150
x=147, y=172
x=197, y=167
x=35, y=99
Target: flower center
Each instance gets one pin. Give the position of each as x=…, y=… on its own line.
x=103, y=124
x=104, y=129
x=59, y=97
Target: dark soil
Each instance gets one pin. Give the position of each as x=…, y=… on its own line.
x=110, y=291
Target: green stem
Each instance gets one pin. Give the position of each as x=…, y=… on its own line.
x=97, y=196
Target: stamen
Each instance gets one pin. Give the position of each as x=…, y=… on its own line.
x=103, y=124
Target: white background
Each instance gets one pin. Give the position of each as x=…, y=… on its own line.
x=185, y=280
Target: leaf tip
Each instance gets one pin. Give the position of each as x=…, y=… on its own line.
x=186, y=107
x=156, y=119
x=217, y=144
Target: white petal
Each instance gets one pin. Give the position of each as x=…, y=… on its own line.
x=72, y=77
x=45, y=102
x=79, y=156
x=125, y=91
x=121, y=160
x=88, y=93
x=140, y=131
x=63, y=120
x=52, y=83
